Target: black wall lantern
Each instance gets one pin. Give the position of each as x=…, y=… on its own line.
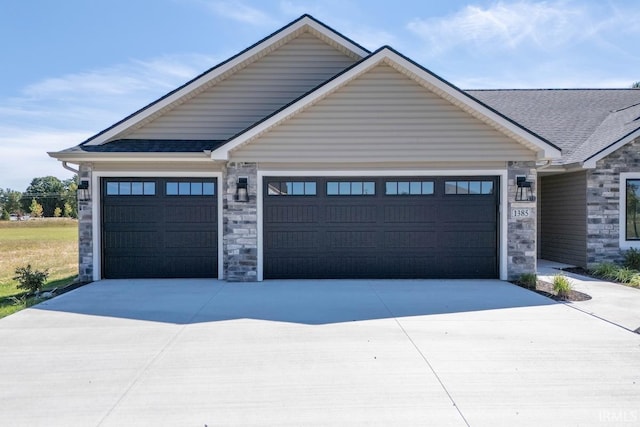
x=84, y=195
x=242, y=189
x=523, y=191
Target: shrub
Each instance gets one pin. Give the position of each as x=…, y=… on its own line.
x=57, y=212
x=561, y=285
x=632, y=259
x=624, y=275
x=68, y=210
x=635, y=281
x=605, y=270
x=528, y=280
x=5, y=215
x=31, y=280
x=36, y=209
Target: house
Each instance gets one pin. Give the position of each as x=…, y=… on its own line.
x=307, y=156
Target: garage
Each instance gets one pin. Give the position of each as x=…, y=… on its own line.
x=380, y=227
x=159, y=228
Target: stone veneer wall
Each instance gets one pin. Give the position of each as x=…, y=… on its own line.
x=603, y=198
x=240, y=225
x=85, y=227
x=521, y=232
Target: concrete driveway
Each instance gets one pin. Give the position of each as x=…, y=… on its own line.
x=297, y=353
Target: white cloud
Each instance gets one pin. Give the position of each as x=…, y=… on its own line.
x=24, y=154
x=60, y=112
x=241, y=12
x=136, y=76
x=503, y=26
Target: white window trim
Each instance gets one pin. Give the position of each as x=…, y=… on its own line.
x=501, y=173
x=96, y=202
x=622, y=211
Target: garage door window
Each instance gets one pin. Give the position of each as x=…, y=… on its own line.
x=131, y=188
x=468, y=187
x=409, y=188
x=190, y=188
x=351, y=188
x=292, y=188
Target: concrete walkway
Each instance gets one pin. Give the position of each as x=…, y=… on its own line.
x=613, y=302
x=314, y=353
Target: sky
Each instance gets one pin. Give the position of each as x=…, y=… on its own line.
x=71, y=68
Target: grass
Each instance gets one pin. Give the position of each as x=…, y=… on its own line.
x=44, y=243
x=561, y=285
x=529, y=280
x=612, y=272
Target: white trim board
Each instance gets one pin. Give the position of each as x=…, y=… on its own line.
x=503, y=212
x=622, y=216
x=96, y=194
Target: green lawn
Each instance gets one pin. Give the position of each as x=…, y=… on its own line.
x=45, y=244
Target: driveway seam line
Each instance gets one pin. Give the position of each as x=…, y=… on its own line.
x=570, y=305
x=455, y=405
x=154, y=358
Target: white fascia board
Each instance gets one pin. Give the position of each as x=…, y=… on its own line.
x=544, y=150
x=224, y=68
x=591, y=162
x=341, y=41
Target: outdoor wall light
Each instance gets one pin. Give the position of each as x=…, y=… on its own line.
x=242, y=193
x=84, y=195
x=523, y=191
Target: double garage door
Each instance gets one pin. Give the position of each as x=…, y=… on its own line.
x=159, y=227
x=373, y=227
x=313, y=227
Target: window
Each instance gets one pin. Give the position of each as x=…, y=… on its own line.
x=632, y=202
x=468, y=187
x=408, y=188
x=351, y=188
x=131, y=188
x=195, y=188
x=291, y=188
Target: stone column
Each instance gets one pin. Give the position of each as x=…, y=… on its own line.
x=85, y=227
x=522, y=222
x=240, y=225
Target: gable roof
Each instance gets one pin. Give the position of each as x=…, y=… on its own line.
x=228, y=67
x=583, y=122
x=426, y=78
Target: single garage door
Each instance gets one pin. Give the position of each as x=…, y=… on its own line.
x=159, y=227
x=373, y=227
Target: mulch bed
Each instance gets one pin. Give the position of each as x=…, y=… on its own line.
x=546, y=289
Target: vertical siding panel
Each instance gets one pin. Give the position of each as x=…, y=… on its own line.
x=250, y=94
x=563, y=218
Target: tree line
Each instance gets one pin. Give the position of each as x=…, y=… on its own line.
x=45, y=197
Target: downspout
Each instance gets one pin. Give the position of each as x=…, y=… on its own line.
x=544, y=166
x=69, y=168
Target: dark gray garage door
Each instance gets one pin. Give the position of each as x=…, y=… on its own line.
x=392, y=227
x=159, y=228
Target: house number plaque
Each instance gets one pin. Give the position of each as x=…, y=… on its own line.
x=521, y=213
